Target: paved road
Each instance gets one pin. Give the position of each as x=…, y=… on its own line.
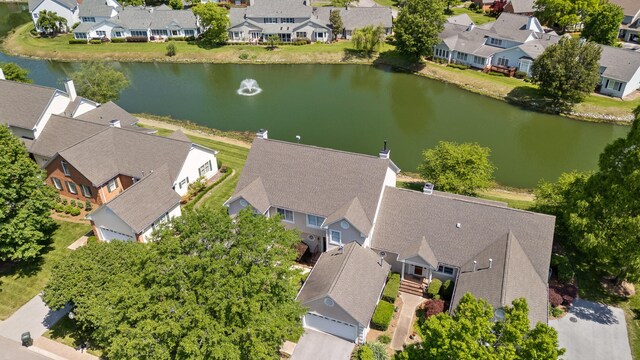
x=593, y=331
x=315, y=345
x=12, y=350
x=410, y=302
x=34, y=317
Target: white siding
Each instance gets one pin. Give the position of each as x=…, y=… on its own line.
x=512, y=55
x=57, y=106
x=105, y=218
x=83, y=108
x=22, y=133
x=51, y=5
x=197, y=157
x=173, y=213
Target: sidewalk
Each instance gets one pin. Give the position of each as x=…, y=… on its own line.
x=34, y=317
x=406, y=319
x=61, y=351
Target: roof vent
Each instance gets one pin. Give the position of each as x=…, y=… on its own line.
x=471, y=27
x=382, y=255
x=384, y=153
x=341, y=249
x=428, y=188
x=490, y=263
x=475, y=265
x=458, y=225
x=114, y=123
x=262, y=134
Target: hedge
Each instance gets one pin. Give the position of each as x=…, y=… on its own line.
x=95, y=41
x=459, y=66
x=434, y=288
x=382, y=316
x=390, y=292
x=364, y=353
x=77, y=41
x=118, y=40
x=137, y=39
x=447, y=290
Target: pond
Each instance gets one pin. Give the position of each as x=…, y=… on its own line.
x=355, y=108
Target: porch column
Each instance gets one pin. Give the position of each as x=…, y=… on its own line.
x=402, y=273
x=430, y=273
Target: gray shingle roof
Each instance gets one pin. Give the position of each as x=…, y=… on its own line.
x=462, y=19
x=358, y=17
x=312, y=180
x=120, y=151
x=523, y=6
x=69, y=4
x=511, y=27
x=355, y=213
x=145, y=201
x=422, y=250
x=279, y=8
x=353, y=279
x=106, y=112
x=630, y=7
x=62, y=132
x=406, y=217
x=153, y=18
x=619, y=64
x=15, y=111
x=95, y=8
x=178, y=135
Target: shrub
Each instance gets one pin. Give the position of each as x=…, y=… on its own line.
x=563, y=268
x=64, y=202
x=223, y=169
x=379, y=351
x=218, y=163
x=178, y=38
x=74, y=211
x=77, y=41
x=80, y=205
x=384, y=338
x=390, y=292
x=92, y=239
x=135, y=39
x=68, y=209
x=72, y=203
x=521, y=74
x=459, y=66
x=556, y=312
x=447, y=290
x=300, y=41
x=364, y=353
x=555, y=299
x=433, y=307
x=382, y=316
x=244, y=56
x=568, y=292
x=58, y=207
x=118, y=40
x=434, y=288
x=171, y=49
x=495, y=73
x=196, y=187
x=95, y=41
x=88, y=206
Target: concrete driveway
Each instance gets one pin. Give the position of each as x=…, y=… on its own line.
x=593, y=331
x=315, y=345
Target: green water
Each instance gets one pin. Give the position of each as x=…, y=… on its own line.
x=355, y=108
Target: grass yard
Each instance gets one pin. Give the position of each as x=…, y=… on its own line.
x=21, y=42
x=477, y=18
x=18, y=284
x=64, y=332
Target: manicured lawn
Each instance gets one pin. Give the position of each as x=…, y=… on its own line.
x=64, y=332
x=19, y=283
x=390, y=3
x=478, y=19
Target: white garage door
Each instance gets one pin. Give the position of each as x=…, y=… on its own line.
x=331, y=326
x=108, y=235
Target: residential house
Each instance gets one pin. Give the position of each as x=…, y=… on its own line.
x=630, y=27
x=520, y=7
x=67, y=9
x=346, y=205
x=148, y=23
x=296, y=19
x=619, y=71
x=485, y=5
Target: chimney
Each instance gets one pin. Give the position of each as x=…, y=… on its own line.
x=471, y=27
x=490, y=263
x=114, y=123
x=262, y=134
x=71, y=89
x=458, y=225
x=475, y=265
x=384, y=153
x=428, y=189
x=2, y=75
x=382, y=255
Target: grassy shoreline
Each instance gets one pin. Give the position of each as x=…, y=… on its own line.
x=595, y=108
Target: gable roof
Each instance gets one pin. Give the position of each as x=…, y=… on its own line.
x=96, y=8
x=357, y=17
x=420, y=249
x=462, y=19
x=523, y=6
x=511, y=276
x=106, y=112
x=116, y=151
x=22, y=105
x=619, y=64
x=62, y=132
x=512, y=27
x=146, y=201
x=279, y=8
x=354, y=213
x=69, y=4
x=629, y=7
x=135, y=17
x=353, y=278
x=312, y=180
x=178, y=135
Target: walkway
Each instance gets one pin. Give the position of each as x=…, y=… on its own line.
x=60, y=350
x=82, y=241
x=405, y=321
x=34, y=317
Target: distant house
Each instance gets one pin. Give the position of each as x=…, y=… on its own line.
x=295, y=19
x=350, y=214
x=520, y=7
x=485, y=5
x=630, y=27
x=67, y=9
x=619, y=71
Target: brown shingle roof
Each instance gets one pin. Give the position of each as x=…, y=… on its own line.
x=22, y=105
x=110, y=111
x=352, y=278
x=62, y=132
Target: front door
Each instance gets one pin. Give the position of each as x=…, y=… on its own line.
x=417, y=270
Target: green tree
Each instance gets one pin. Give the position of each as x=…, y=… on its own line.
x=336, y=23
x=215, y=20
x=567, y=71
x=50, y=22
x=99, y=81
x=273, y=40
x=368, y=38
x=171, y=49
x=14, y=72
x=419, y=24
x=343, y=3
x=602, y=24
x=176, y=4
x=25, y=202
x=134, y=2
x=458, y=168
x=473, y=333
x=597, y=215
x=563, y=13
x=208, y=287
x=451, y=3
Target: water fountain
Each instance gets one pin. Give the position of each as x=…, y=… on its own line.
x=249, y=87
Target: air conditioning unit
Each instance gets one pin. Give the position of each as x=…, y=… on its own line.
x=311, y=237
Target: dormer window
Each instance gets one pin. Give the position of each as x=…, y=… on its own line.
x=270, y=20
x=286, y=214
x=496, y=42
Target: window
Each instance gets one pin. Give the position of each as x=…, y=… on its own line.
x=65, y=168
x=442, y=53
x=314, y=221
x=159, y=32
x=445, y=270
x=88, y=19
x=35, y=15
x=71, y=187
x=335, y=237
x=189, y=33
x=503, y=62
x=301, y=34
x=287, y=20
x=525, y=65
x=86, y=191
x=236, y=35
x=138, y=33
x=101, y=33
x=320, y=35
x=57, y=183
x=496, y=42
x=80, y=35
x=270, y=20
x=286, y=214
x=462, y=56
x=175, y=32
x=478, y=60
x=614, y=85
x=205, y=168
x=183, y=182
x=344, y=224
x=118, y=34
x=112, y=185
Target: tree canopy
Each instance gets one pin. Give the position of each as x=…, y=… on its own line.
x=472, y=332
x=603, y=23
x=343, y=3
x=336, y=23
x=458, y=168
x=563, y=13
x=50, y=22
x=14, y=72
x=368, y=38
x=208, y=287
x=99, y=81
x=25, y=202
x=419, y=24
x=567, y=72
x=598, y=215
x=215, y=20
x=176, y=4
